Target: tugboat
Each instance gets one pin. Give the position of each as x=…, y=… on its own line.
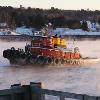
x=44, y=50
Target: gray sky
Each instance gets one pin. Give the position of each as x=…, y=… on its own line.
x=61, y=4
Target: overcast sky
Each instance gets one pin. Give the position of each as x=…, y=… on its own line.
x=61, y=4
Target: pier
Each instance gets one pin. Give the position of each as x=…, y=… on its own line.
x=34, y=91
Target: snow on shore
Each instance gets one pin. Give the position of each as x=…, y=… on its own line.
x=8, y=32
x=67, y=31
x=59, y=31
x=26, y=31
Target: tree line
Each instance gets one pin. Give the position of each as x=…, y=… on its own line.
x=36, y=17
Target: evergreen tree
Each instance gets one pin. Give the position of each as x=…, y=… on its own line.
x=84, y=26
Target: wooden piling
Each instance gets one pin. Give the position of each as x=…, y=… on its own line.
x=35, y=91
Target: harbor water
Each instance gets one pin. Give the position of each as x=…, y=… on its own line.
x=83, y=79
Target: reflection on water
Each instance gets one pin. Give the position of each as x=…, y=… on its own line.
x=77, y=79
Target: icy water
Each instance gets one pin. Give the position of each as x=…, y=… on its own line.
x=83, y=79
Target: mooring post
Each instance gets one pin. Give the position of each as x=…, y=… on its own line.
x=36, y=91
x=27, y=92
x=20, y=92
x=13, y=87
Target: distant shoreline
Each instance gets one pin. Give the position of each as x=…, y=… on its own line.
x=28, y=38
x=83, y=37
x=15, y=37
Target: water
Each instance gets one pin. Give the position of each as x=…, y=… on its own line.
x=83, y=79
